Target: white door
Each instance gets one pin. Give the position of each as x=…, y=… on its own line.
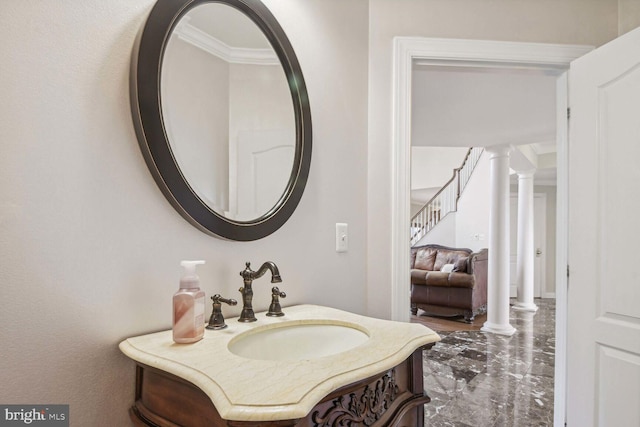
x=539, y=242
x=603, y=348
x=540, y=245
x=264, y=169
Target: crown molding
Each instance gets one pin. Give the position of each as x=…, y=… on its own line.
x=233, y=55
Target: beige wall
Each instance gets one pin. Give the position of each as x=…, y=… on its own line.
x=196, y=118
x=628, y=15
x=586, y=22
x=90, y=248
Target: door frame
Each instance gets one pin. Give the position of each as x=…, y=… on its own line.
x=461, y=52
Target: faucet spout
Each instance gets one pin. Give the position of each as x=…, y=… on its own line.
x=248, y=276
x=275, y=273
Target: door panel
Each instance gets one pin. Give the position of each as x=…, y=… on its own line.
x=603, y=370
x=614, y=404
x=264, y=168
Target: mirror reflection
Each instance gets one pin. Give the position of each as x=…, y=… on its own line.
x=228, y=112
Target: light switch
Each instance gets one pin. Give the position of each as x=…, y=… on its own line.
x=342, y=237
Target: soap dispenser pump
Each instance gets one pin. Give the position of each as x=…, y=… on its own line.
x=188, y=306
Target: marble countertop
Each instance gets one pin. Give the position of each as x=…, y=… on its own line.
x=245, y=389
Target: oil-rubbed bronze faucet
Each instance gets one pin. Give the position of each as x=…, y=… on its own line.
x=248, y=275
x=216, y=321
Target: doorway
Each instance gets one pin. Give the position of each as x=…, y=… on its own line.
x=542, y=287
x=460, y=52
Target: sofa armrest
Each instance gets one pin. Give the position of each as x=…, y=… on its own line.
x=477, y=258
x=478, y=266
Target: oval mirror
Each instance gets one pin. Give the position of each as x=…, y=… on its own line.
x=222, y=115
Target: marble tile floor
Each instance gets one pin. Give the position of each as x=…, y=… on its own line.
x=476, y=379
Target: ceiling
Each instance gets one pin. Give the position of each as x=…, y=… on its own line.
x=466, y=106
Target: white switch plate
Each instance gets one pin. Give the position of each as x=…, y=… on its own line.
x=342, y=237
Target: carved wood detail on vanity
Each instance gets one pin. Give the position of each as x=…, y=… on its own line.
x=363, y=408
x=393, y=398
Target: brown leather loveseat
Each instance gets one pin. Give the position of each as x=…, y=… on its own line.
x=449, y=281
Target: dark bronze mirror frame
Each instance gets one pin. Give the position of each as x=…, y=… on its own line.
x=152, y=136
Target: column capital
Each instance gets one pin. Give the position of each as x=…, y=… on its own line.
x=526, y=173
x=498, y=151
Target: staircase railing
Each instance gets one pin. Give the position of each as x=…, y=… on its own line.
x=445, y=200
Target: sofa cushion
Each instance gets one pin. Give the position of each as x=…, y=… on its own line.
x=425, y=259
x=460, y=266
x=440, y=279
x=412, y=261
x=437, y=278
x=461, y=280
x=446, y=256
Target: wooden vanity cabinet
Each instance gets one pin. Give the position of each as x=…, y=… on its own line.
x=394, y=398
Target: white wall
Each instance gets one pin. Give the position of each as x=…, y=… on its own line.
x=472, y=218
x=90, y=248
x=591, y=22
x=444, y=233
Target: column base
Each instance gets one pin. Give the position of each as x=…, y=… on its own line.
x=495, y=328
x=525, y=306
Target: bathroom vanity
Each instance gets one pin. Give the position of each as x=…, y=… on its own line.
x=315, y=366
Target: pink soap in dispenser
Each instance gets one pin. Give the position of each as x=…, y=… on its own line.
x=188, y=306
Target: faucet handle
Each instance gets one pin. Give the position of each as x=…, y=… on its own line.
x=275, y=309
x=217, y=319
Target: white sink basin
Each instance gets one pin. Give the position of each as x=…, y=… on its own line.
x=297, y=341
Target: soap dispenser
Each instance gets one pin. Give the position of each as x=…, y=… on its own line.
x=188, y=306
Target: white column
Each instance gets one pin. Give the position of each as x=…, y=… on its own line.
x=526, y=247
x=498, y=267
